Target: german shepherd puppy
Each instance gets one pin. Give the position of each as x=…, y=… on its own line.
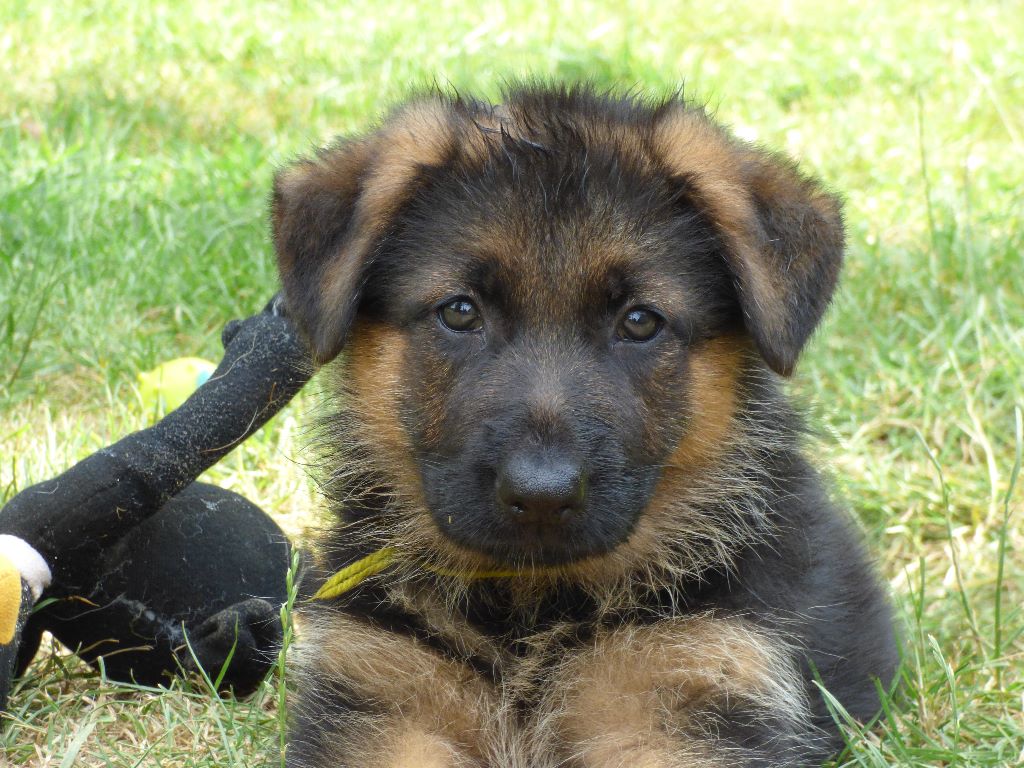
x=575, y=526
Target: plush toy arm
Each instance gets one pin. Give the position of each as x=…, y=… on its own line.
x=73, y=517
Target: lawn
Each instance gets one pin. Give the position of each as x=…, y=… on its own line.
x=137, y=144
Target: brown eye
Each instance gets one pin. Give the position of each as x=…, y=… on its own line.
x=640, y=325
x=460, y=315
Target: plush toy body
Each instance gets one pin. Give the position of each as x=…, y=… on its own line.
x=209, y=564
x=140, y=556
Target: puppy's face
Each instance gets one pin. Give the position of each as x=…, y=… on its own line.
x=546, y=304
x=548, y=312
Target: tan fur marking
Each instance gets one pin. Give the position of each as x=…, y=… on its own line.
x=630, y=699
x=714, y=370
x=375, y=385
x=417, y=691
x=368, y=742
x=411, y=747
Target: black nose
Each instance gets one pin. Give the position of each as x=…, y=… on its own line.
x=541, y=486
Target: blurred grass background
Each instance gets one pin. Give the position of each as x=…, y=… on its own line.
x=137, y=144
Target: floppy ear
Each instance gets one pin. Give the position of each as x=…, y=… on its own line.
x=787, y=269
x=783, y=233
x=312, y=211
x=330, y=212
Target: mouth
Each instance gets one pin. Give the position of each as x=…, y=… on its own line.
x=528, y=544
x=549, y=518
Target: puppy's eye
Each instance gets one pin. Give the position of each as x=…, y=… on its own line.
x=461, y=315
x=639, y=324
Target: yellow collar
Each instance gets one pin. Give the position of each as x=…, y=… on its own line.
x=354, y=574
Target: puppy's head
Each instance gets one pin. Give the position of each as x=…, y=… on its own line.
x=546, y=305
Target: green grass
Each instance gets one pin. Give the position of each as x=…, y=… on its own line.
x=137, y=144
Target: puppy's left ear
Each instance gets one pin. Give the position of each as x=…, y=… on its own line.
x=782, y=232
x=788, y=266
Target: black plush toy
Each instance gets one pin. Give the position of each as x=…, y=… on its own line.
x=137, y=556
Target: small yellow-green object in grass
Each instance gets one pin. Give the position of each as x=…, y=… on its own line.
x=169, y=384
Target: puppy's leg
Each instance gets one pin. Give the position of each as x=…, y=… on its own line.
x=680, y=693
x=371, y=698
x=417, y=748
x=366, y=742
